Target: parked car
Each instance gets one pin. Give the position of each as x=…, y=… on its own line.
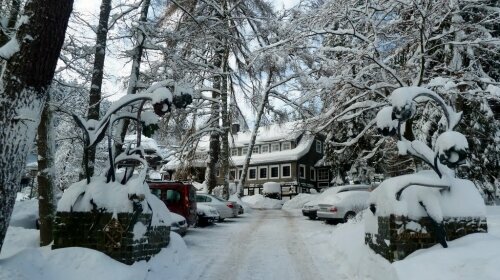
x=180, y=198
x=225, y=208
x=344, y=204
x=310, y=209
x=206, y=215
x=178, y=224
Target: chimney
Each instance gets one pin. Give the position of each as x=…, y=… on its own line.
x=235, y=128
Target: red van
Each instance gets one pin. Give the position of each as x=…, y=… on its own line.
x=180, y=198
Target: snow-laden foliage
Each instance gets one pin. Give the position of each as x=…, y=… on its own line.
x=362, y=50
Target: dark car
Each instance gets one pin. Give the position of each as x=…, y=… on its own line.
x=180, y=198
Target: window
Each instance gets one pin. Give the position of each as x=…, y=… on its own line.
x=318, y=146
x=275, y=147
x=252, y=173
x=263, y=172
x=286, y=146
x=156, y=192
x=234, y=152
x=302, y=171
x=172, y=196
x=275, y=171
x=217, y=172
x=232, y=174
x=312, y=174
x=244, y=151
x=323, y=175
x=286, y=170
x=264, y=149
x=240, y=171
x=255, y=150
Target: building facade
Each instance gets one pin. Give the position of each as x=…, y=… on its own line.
x=286, y=154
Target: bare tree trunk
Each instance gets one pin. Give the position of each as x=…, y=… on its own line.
x=224, y=155
x=26, y=78
x=122, y=126
x=214, y=146
x=97, y=75
x=45, y=178
x=260, y=112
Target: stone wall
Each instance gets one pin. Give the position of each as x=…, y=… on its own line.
x=399, y=236
x=112, y=236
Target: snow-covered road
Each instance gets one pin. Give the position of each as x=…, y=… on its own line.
x=267, y=244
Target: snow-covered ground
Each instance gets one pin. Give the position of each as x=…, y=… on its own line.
x=262, y=244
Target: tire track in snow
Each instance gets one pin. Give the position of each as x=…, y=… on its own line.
x=236, y=253
x=301, y=256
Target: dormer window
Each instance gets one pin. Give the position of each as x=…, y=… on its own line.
x=319, y=147
x=244, y=151
x=286, y=146
x=275, y=147
x=255, y=150
x=264, y=149
x=234, y=152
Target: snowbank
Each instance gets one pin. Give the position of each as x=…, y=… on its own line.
x=474, y=256
x=298, y=201
x=463, y=199
x=258, y=201
x=81, y=263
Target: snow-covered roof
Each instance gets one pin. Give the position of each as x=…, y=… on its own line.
x=266, y=134
x=270, y=133
x=294, y=154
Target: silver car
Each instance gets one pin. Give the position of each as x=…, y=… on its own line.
x=344, y=204
x=226, y=208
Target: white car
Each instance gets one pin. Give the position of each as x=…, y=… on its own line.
x=344, y=203
x=224, y=207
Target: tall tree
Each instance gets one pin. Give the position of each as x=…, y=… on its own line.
x=31, y=56
x=45, y=178
x=97, y=75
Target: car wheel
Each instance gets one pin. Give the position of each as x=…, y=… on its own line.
x=349, y=216
x=312, y=217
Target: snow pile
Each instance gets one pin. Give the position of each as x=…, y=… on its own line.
x=471, y=257
x=113, y=197
x=358, y=260
x=258, y=201
x=298, y=201
x=462, y=200
x=78, y=263
x=25, y=214
x=474, y=256
x=271, y=187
